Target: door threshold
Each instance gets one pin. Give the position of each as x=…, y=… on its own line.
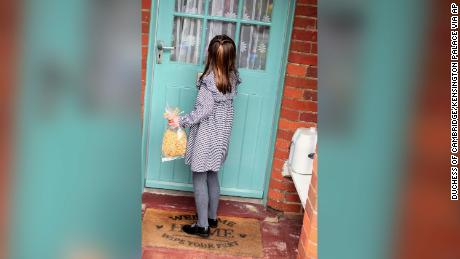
x=184, y=193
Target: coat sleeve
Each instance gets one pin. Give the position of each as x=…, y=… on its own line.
x=203, y=108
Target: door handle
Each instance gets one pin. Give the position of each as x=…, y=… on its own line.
x=161, y=48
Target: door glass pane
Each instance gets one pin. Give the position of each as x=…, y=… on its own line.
x=190, y=6
x=253, y=46
x=226, y=8
x=259, y=10
x=186, y=40
x=217, y=28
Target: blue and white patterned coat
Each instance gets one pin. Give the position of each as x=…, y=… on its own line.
x=210, y=125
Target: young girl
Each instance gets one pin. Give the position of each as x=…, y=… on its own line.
x=210, y=126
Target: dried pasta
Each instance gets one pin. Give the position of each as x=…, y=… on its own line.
x=174, y=139
x=174, y=143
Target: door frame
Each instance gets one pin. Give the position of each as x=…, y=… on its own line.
x=150, y=67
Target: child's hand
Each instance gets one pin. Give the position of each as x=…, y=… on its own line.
x=173, y=121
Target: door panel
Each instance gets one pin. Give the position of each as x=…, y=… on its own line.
x=256, y=26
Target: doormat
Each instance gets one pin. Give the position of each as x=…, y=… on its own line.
x=233, y=236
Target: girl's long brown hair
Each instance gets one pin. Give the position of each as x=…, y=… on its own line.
x=221, y=61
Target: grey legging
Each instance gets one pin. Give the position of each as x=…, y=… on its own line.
x=207, y=191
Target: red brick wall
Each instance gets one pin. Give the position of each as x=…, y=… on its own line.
x=299, y=104
x=308, y=242
x=145, y=22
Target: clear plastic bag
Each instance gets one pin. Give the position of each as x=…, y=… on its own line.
x=174, y=139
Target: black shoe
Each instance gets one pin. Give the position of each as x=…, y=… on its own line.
x=196, y=230
x=212, y=223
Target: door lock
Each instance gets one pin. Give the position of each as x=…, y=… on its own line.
x=160, y=49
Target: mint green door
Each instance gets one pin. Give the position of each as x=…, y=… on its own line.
x=184, y=29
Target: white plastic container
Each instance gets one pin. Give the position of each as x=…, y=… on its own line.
x=302, y=151
x=300, y=163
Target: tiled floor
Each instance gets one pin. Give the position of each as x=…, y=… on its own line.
x=280, y=235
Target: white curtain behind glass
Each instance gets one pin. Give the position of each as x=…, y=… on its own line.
x=187, y=32
x=259, y=10
x=253, y=45
x=190, y=6
x=226, y=8
x=186, y=40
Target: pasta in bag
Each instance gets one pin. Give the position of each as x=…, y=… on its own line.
x=174, y=139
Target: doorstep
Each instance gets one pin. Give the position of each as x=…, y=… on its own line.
x=280, y=235
x=185, y=193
